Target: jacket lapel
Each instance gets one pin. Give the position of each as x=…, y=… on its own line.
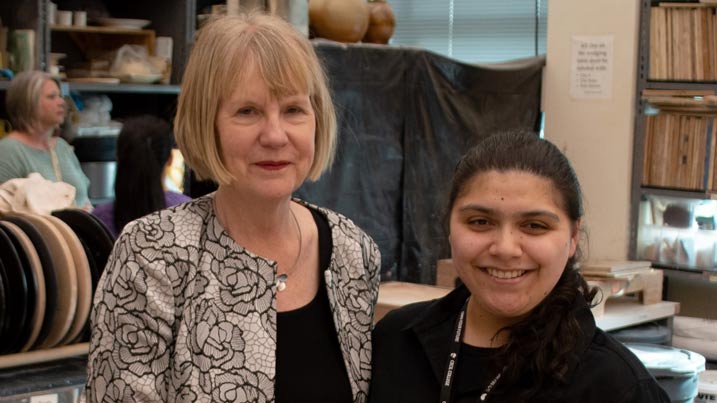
x=434, y=327
x=348, y=296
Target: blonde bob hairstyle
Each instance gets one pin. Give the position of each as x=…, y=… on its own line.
x=224, y=53
x=22, y=99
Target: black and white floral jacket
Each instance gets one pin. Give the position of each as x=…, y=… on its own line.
x=183, y=314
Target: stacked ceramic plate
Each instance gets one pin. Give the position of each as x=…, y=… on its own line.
x=49, y=268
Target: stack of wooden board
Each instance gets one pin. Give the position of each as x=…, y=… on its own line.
x=618, y=278
x=683, y=42
x=679, y=151
x=614, y=268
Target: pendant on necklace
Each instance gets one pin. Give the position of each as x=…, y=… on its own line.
x=281, y=281
x=483, y=396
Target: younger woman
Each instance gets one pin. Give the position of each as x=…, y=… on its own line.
x=520, y=329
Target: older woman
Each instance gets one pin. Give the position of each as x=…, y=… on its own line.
x=245, y=294
x=36, y=108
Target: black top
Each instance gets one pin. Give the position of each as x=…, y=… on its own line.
x=309, y=364
x=410, y=350
x=475, y=372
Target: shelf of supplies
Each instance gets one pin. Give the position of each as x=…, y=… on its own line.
x=102, y=30
x=623, y=312
x=91, y=38
x=128, y=88
x=685, y=194
x=116, y=88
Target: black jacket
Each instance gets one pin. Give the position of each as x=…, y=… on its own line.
x=410, y=349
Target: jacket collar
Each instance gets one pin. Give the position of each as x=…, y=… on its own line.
x=434, y=328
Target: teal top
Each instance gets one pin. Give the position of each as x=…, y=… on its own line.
x=18, y=160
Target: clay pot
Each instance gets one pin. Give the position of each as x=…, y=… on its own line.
x=339, y=20
x=381, y=23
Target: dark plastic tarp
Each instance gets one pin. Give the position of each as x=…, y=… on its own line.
x=405, y=118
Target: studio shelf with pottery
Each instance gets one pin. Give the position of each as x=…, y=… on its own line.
x=108, y=37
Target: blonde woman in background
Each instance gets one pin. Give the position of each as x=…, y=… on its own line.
x=36, y=109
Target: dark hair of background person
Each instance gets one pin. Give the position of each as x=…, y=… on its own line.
x=143, y=149
x=540, y=348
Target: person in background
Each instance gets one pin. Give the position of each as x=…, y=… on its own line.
x=144, y=151
x=36, y=109
x=244, y=294
x=520, y=329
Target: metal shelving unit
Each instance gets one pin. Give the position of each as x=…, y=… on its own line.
x=690, y=194
x=639, y=191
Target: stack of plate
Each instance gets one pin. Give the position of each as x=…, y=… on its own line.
x=49, y=268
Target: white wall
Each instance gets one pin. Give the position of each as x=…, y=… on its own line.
x=596, y=135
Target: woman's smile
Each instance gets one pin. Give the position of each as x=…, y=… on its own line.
x=503, y=274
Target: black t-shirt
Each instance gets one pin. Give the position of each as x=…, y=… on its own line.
x=475, y=371
x=309, y=364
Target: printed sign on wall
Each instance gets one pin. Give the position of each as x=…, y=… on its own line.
x=591, y=67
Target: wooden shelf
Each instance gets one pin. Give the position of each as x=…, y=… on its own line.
x=623, y=312
x=37, y=356
x=107, y=38
x=681, y=85
x=101, y=30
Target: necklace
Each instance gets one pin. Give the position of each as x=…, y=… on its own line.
x=282, y=278
x=452, y=367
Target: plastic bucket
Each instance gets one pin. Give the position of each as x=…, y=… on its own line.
x=676, y=370
x=707, y=387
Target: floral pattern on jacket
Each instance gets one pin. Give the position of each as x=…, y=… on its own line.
x=184, y=314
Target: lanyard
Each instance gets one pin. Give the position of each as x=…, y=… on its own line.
x=450, y=372
x=452, y=367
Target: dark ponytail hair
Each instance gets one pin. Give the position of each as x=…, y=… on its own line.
x=143, y=149
x=540, y=348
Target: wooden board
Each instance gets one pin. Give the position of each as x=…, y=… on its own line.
x=614, y=266
x=624, y=312
x=36, y=356
x=395, y=294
